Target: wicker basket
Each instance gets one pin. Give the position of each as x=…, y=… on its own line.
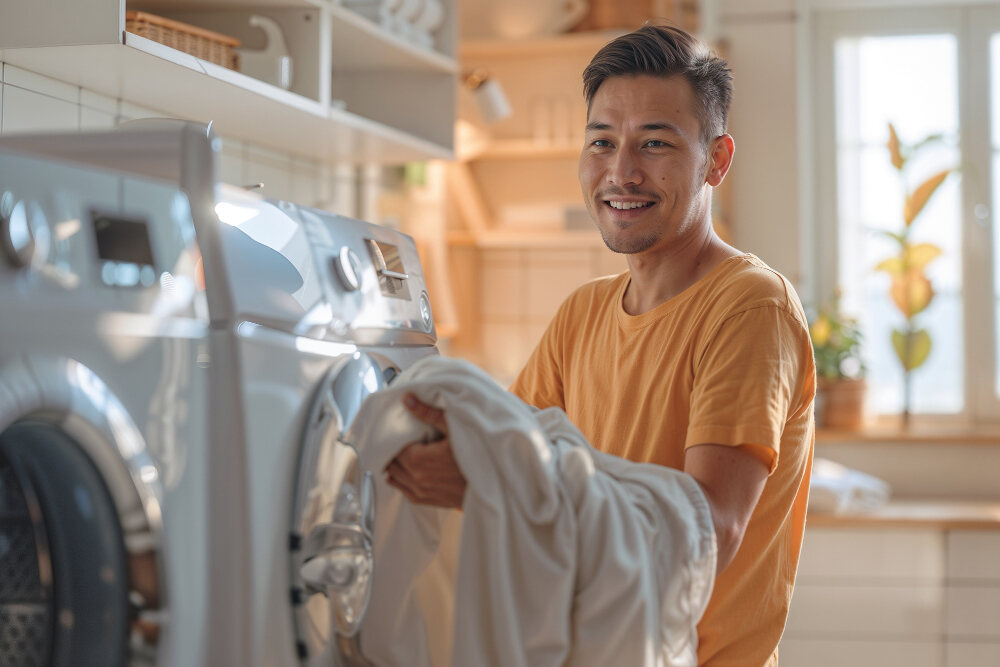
x=201, y=43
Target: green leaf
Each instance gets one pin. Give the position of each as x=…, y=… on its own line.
x=914, y=355
x=898, y=238
x=929, y=139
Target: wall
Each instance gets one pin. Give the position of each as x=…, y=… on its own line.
x=33, y=103
x=758, y=37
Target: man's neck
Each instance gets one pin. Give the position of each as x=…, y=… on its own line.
x=657, y=278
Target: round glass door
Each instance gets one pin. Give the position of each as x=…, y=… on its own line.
x=333, y=528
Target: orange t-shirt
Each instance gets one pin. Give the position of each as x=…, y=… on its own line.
x=729, y=362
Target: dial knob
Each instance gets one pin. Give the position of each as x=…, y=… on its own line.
x=425, y=311
x=348, y=269
x=16, y=237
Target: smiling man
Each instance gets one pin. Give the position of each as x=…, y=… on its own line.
x=697, y=357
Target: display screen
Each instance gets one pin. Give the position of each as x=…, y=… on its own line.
x=392, y=277
x=123, y=240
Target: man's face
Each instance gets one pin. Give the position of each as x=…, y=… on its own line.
x=643, y=166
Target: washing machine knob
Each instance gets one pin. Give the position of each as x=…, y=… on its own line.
x=348, y=269
x=16, y=237
x=425, y=311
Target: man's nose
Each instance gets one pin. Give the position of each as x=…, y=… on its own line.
x=624, y=168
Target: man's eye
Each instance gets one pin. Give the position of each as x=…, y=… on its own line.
x=656, y=143
x=601, y=143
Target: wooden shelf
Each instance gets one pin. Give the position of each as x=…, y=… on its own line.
x=891, y=435
x=522, y=149
x=574, y=42
x=515, y=239
x=943, y=514
x=241, y=107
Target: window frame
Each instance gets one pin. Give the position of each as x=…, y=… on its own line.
x=972, y=26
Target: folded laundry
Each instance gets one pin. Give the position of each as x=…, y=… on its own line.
x=562, y=555
x=837, y=489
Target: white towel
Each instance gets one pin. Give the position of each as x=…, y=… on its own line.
x=837, y=489
x=566, y=555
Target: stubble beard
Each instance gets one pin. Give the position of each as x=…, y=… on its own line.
x=631, y=245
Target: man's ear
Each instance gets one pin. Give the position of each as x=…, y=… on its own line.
x=720, y=158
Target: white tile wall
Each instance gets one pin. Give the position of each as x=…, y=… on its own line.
x=876, y=553
x=28, y=111
x=867, y=612
x=30, y=102
x=972, y=655
x=15, y=76
x=272, y=169
x=974, y=612
x=860, y=653
x=974, y=555
x=895, y=597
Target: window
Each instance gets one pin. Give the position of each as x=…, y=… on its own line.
x=929, y=72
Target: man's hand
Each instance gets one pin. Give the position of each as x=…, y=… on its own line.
x=427, y=473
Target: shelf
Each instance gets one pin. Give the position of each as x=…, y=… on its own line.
x=522, y=149
x=361, y=45
x=942, y=514
x=574, y=42
x=241, y=107
x=516, y=239
x=892, y=435
x=209, y=5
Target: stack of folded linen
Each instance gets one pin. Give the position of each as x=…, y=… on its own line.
x=837, y=489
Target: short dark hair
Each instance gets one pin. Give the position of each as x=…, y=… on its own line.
x=665, y=51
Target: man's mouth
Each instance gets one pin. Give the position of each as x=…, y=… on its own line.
x=627, y=205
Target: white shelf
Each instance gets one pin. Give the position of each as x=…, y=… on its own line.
x=240, y=106
x=206, y=5
x=361, y=45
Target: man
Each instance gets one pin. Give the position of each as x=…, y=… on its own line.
x=697, y=357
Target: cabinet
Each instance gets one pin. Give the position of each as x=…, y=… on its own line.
x=920, y=596
x=359, y=94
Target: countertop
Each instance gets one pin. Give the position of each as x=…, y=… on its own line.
x=907, y=513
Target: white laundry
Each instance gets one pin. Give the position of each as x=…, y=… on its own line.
x=837, y=489
x=562, y=555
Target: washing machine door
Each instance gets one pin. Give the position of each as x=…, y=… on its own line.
x=333, y=520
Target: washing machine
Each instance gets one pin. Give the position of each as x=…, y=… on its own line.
x=178, y=359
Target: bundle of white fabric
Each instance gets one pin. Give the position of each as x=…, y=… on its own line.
x=562, y=555
x=837, y=489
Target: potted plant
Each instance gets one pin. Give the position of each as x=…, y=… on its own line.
x=911, y=289
x=840, y=384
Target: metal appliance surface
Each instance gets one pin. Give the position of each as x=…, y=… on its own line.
x=187, y=353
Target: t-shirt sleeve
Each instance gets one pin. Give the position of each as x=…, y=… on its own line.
x=755, y=374
x=540, y=382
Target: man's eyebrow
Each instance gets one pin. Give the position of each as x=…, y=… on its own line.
x=668, y=127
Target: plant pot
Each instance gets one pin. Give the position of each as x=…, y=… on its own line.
x=840, y=403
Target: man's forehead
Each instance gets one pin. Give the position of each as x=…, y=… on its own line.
x=644, y=101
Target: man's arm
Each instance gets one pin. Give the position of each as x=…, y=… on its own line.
x=732, y=480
